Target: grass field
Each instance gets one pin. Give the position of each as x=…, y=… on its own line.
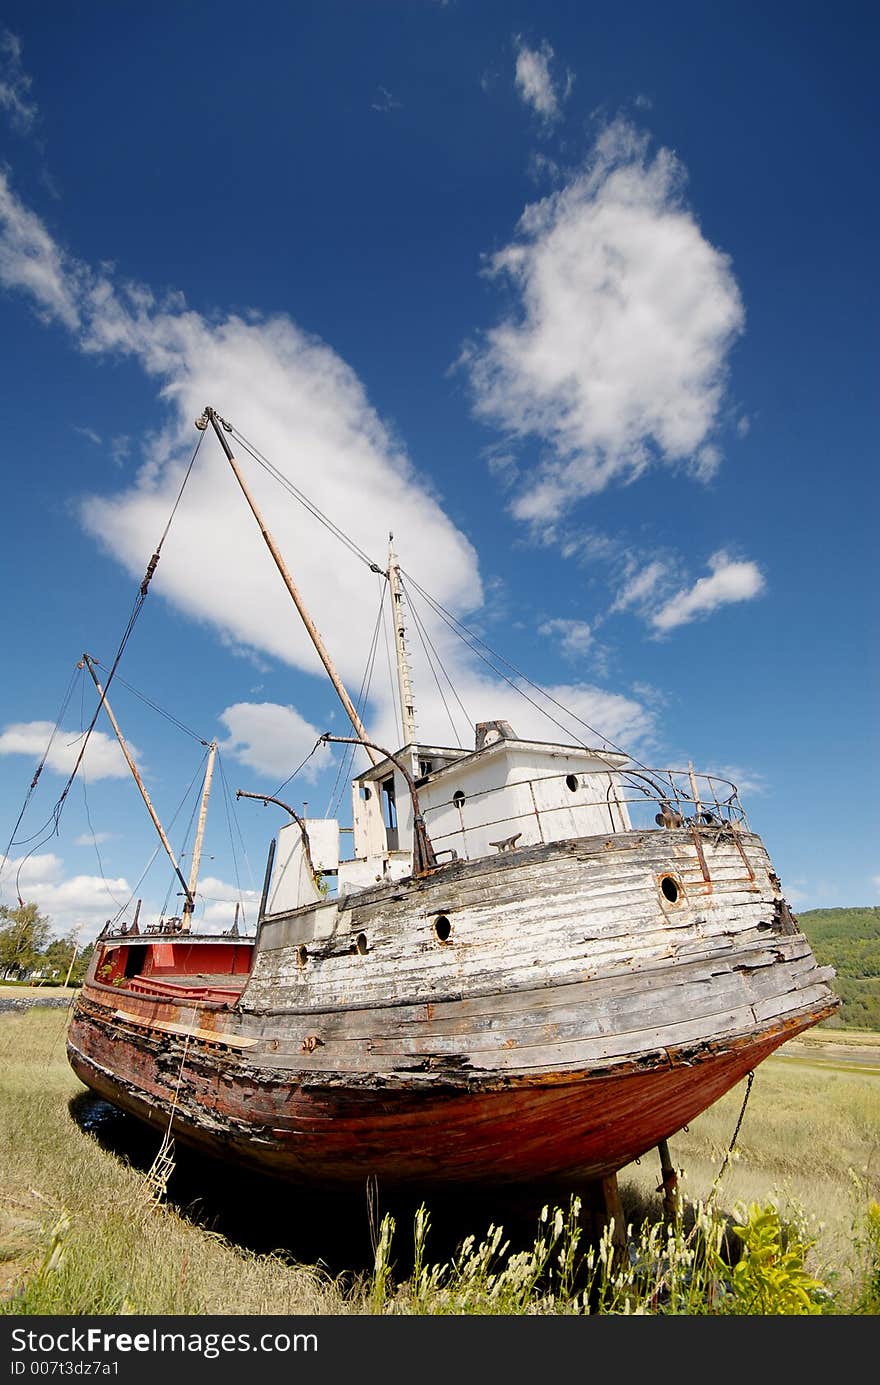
x=81, y=1231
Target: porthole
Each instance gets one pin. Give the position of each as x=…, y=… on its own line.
x=360, y=944
x=670, y=888
x=458, y=798
x=302, y=955
x=571, y=782
x=366, y=794
x=442, y=928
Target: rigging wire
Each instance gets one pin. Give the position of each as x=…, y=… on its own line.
x=137, y=607
x=430, y=648
x=227, y=804
x=458, y=627
x=181, y=726
x=463, y=632
x=309, y=505
x=343, y=772
x=83, y=782
x=33, y=784
x=469, y=637
x=189, y=826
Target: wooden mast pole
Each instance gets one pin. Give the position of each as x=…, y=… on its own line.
x=190, y=902
x=87, y=660
x=404, y=684
x=211, y=416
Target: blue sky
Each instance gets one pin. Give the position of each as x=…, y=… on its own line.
x=581, y=305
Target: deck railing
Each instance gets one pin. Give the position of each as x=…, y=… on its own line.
x=652, y=799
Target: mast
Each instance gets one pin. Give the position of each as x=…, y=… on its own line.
x=189, y=903
x=87, y=660
x=404, y=684
x=211, y=416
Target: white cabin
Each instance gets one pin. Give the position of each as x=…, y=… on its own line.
x=505, y=794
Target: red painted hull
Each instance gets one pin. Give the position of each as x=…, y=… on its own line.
x=548, y=1130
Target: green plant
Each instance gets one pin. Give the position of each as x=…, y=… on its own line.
x=771, y=1277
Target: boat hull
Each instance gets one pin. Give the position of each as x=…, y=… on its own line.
x=548, y=1131
x=548, y=1036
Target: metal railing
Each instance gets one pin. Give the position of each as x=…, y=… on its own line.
x=652, y=799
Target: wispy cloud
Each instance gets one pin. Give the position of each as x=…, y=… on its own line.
x=385, y=101
x=88, y=433
x=15, y=84
x=730, y=581
x=617, y=357
x=534, y=81
x=575, y=636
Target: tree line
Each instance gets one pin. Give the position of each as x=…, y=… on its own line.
x=29, y=951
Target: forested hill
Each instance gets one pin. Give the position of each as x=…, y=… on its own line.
x=849, y=941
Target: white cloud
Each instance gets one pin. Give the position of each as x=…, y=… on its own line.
x=30, y=260
x=534, y=83
x=94, y=838
x=747, y=782
x=575, y=636
x=15, y=84
x=216, y=901
x=730, y=581
x=80, y=903
x=618, y=356
x=641, y=586
x=307, y=411
x=103, y=758
x=272, y=739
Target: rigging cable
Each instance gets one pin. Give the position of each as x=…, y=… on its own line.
x=33, y=784
x=457, y=626
x=343, y=771
x=82, y=779
x=55, y=816
x=169, y=716
x=426, y=641
x=227, y=798
x=189, y=827
x=297, y=494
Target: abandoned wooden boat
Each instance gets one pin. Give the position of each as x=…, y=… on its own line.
x=539, y=961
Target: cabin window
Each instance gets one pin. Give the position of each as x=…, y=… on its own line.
x=458, y=798
x=389, y=812
x=571, y=781
x=366, y=794
x=360, y=944
x=425, y=767
x=389, y=805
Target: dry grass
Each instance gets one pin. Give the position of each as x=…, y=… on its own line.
x=122, y=1253
x=810, y=1142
